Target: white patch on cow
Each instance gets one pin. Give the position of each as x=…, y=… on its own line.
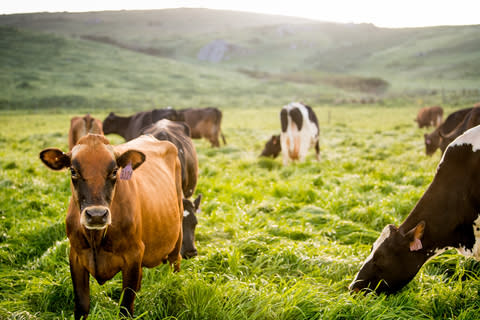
x=475, y=251
x=383, y=236
x=294, y=142
x=471, y=137
x=186, y=213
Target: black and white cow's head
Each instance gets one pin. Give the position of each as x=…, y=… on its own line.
x=447, y=215
x=189, y=224
x=394, y=260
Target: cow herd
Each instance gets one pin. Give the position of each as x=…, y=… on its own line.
x=131, y=204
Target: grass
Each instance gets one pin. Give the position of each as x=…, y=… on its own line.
x=274, y=242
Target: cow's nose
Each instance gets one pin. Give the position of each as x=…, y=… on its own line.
x=190, y=254
x=96, y=215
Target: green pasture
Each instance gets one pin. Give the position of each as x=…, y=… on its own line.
x=274, y=242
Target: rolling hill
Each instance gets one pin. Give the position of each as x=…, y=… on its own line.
x=202, y=56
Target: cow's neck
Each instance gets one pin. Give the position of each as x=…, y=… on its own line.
x=447, y=224
x=122, y=128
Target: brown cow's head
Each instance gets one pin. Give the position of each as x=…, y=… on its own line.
x=188, y=226
x=432, y=142
x=394, y=260
x=272, y=147
x=94, y=166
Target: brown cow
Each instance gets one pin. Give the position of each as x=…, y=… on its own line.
x=81, y=126
x=429, y=116
x=434, y=140
x=471, y=120
x=125, y=211
x=272, y=147
x=204, y=123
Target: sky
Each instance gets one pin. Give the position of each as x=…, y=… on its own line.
x=382, y=13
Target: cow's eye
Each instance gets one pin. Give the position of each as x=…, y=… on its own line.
x=113, y=175
x=74, y=173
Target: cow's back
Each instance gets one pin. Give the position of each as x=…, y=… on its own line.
x=154, y=192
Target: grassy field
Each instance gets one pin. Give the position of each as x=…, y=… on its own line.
x=274, y=242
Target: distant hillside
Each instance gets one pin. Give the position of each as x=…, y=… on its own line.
x=46, y=71
x=341, y=59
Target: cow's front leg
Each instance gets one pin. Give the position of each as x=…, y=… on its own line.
x=81, y=286
x=132, y=279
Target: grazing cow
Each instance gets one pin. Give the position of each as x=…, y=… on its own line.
x=131, y=127
x=447, y=215
x=125, y=212
x=178, y=133
x=204, y=123
x=272, y=147
x=300, y=131
x=81, y=126
x=429, y=116
x=471, y=120
x=190, y=221
x=434, y=140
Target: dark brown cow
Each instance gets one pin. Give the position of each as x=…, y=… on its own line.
x=131, y=127
x=447, y=215
x=125, y=212
x=190, y=222
x=204, y=123
x=272, y=147
x=429, y=116
x=178, y=133
x=434, y=140
x=471, y=120
x=81, y=126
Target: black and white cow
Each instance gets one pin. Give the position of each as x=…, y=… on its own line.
x=446, y=216
x=300, y=131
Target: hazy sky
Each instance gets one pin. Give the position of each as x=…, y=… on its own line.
x=383, y=13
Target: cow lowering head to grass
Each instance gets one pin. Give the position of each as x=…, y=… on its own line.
x=190, y=221
x=434, y=140
x=447, y=215
x=300, y=131
x=125, y=212
x=272, y=147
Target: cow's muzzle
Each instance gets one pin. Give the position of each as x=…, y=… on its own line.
x=96, y=217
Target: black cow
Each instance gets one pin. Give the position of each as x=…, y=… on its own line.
x=471, y=120
x=190, y=221
x=131, y=127
x=434, y=140
x=178, y=133
x=272, y=147
x=447, y=215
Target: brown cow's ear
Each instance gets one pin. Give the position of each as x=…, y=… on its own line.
x=133, y=157
x=55, y=159
x=415, y=235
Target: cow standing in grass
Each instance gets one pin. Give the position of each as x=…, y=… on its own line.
x=300, y=131
x=447, y=215
x=132, y=126
x=125, y=212
x=429, y=116
x=81, y=126
x=204, y=123
x=434, y=140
